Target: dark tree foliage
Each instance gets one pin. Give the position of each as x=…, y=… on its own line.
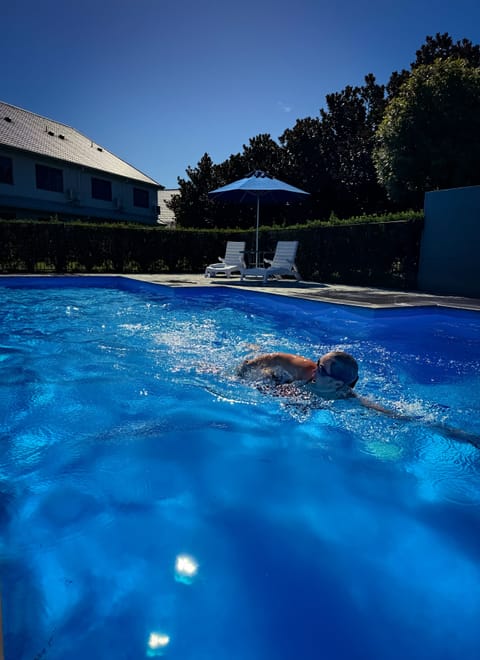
x=191, y=206
x=232, y=169
x=442, y=47
x=429, y=138
x=396, y=81
x=305, y=164
x=348, y=129
x=262, y=153
x=332, y=156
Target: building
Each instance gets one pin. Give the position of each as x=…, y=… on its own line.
x=49, y=170
x=166, y=216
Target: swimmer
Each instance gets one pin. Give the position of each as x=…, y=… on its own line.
x=333, y=376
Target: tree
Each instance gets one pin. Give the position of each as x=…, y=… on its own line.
x=441, y=46
x=304, y=163
x=262, y=153
x=429, y=137
x=342, y=157
x=191, y=206
x=348, y=129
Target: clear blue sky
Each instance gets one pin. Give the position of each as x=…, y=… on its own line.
x=161, y=82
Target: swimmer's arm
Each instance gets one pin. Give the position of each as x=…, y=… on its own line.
x=372, y=405
x=455, y=434
x=447, y=431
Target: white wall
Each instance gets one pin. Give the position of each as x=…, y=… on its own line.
x=76, y=199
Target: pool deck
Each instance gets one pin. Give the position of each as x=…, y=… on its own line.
x=341, y=294
x=332, y=293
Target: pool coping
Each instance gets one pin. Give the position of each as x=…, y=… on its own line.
x=340, y=294
x=368, y=297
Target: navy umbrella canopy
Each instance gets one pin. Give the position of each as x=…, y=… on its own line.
x=260, y=186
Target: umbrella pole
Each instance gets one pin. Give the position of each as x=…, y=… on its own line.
x=256, y=235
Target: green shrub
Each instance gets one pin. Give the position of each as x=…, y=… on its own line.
x=365, y=250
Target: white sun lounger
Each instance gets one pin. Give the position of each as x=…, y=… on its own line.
x=234, y=260
x=283, y=263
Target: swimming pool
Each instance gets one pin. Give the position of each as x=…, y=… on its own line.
x=152, y=504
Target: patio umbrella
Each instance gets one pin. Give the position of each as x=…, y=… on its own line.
x=260, y=186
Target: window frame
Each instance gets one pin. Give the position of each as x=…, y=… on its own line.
x=141, y=195
x=6, y=170
x=101, y=189
x=48, y=178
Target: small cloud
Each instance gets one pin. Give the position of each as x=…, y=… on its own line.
x=284, y=107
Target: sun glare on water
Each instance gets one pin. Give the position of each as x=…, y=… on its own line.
x=186, y=568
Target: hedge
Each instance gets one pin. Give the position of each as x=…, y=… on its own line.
x=366, y=252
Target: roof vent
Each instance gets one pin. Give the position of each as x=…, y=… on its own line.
x=51, y=133
x=7, y=119
x=62, y=137
x=99, y=149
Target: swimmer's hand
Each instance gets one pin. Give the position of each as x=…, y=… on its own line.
x=444, y=429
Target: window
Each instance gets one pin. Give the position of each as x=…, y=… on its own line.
x=49, y=178
x=140, y=198
x=102, y=189
x=6, y=170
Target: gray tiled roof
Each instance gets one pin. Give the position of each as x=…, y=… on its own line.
x=31, y=132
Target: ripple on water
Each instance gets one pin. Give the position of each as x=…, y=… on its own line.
x=58, y=508
x=447, y=471
x=27, y=448
x=131, y=484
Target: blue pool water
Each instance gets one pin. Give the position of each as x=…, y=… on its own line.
x=309, y=529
